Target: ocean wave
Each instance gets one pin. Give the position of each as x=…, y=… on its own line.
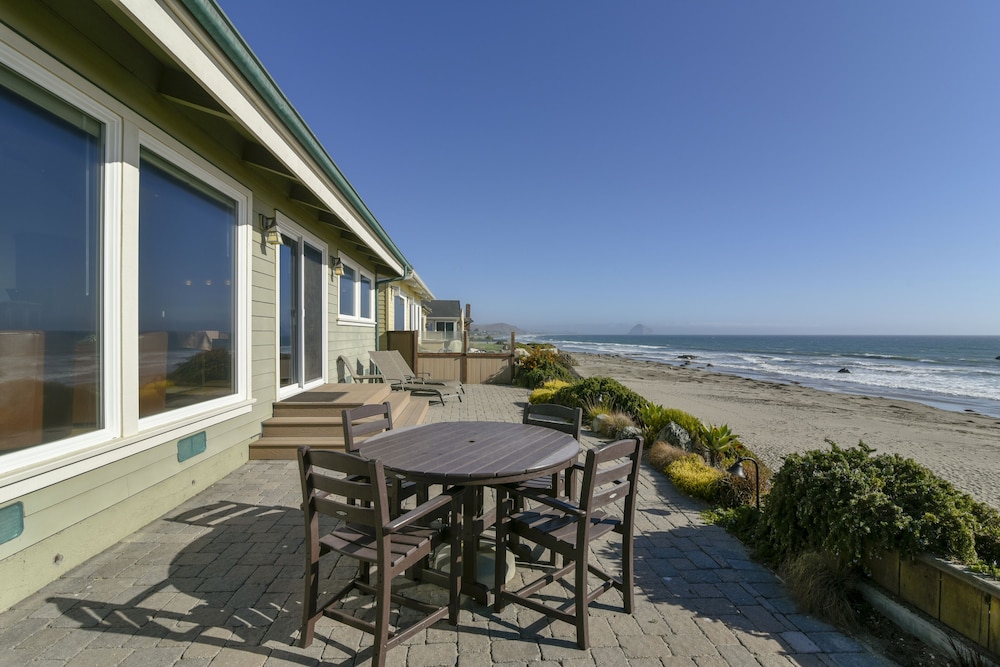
x=948, y=380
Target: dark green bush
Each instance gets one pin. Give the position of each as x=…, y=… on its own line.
x=853, y=505
x=601, y=390
x=544, y=363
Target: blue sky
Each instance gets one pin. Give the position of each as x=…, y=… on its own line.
x=698, y=167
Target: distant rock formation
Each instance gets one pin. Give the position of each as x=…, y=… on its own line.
x=640, y=330
x=500, y=328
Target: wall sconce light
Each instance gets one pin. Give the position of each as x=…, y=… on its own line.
x=737, y=471
x=337, y=267
x=269, y=227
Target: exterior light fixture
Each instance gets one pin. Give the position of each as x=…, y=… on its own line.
x=269, y=227
x=737, y=471
x=337, y=267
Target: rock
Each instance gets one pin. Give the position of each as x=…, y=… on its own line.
x=844, y=370
x=686, y=356
x=677, y=436
x=640, y=330
x=600, y=423
x=520, y=353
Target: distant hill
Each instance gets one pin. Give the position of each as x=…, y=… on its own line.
x=640, y=330
x=498, y=328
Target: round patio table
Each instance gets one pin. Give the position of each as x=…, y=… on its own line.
x=472, y=454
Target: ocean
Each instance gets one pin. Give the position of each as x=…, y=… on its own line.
x=956, y=373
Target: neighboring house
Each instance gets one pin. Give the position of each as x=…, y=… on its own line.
x=445, y=323
x=403, y=306
x=149, y=317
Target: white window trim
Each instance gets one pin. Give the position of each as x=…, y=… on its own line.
x=33, y=69
x=188, y=162
x=287, y=226
x=124, y=435
x=356, y=319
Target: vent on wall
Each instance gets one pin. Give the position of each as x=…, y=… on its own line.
x=190, y=446
x=11, y=522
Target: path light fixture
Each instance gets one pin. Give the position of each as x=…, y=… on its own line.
x=737, y=471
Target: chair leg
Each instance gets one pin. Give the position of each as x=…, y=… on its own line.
x=383, y=589
x=628, y=589
x=309, y=614
x=580, y=603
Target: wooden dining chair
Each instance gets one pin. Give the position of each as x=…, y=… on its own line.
x=568, y=529
x=560, y=418
x=352, y=491
x=367, y=420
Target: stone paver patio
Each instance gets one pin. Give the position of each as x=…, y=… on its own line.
x=217, y=582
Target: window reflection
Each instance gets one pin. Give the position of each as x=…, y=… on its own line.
x=347, y=291
x=186, y=289
x=51, y=158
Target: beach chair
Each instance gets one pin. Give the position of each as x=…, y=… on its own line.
x=355, y=371
x=397, y=373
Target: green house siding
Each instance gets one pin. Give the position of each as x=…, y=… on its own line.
x=78, y=505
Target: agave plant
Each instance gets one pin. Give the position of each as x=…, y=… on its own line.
x=717, y=441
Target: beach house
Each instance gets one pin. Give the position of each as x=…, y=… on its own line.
x=177, y=253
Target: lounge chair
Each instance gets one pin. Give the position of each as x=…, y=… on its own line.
x=400, y=369
x=398, y=374
x=356, y=371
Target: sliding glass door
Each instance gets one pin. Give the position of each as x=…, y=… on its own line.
x=301, y=312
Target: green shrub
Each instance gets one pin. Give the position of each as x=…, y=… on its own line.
x=853, y=505
x=545, y=393
x=693, y=477
x=601, y=390
x=543, y=363
x=654, y=418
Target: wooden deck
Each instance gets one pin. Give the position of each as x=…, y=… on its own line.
x=313, y=417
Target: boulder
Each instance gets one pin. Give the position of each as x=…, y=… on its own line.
x=844, y=370
x=677, y=436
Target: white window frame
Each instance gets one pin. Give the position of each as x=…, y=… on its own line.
x=124, y=434
x=398, y=294
x=110, y=226
x=180, y=158
x=356, y=319
x=288, y=227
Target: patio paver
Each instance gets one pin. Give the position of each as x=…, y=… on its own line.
x=217, y=582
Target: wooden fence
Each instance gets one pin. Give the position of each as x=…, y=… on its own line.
x=468, y=367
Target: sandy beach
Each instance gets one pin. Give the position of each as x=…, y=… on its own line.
x=775, y=420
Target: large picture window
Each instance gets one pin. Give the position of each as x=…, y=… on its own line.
x=51, y=184
x=187, y=278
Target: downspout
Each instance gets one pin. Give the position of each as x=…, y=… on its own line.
x=407, y=272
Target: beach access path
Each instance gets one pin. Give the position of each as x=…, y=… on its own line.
x=775, y=420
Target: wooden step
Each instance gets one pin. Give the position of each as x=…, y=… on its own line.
x=314, y=418
x=330, y=399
